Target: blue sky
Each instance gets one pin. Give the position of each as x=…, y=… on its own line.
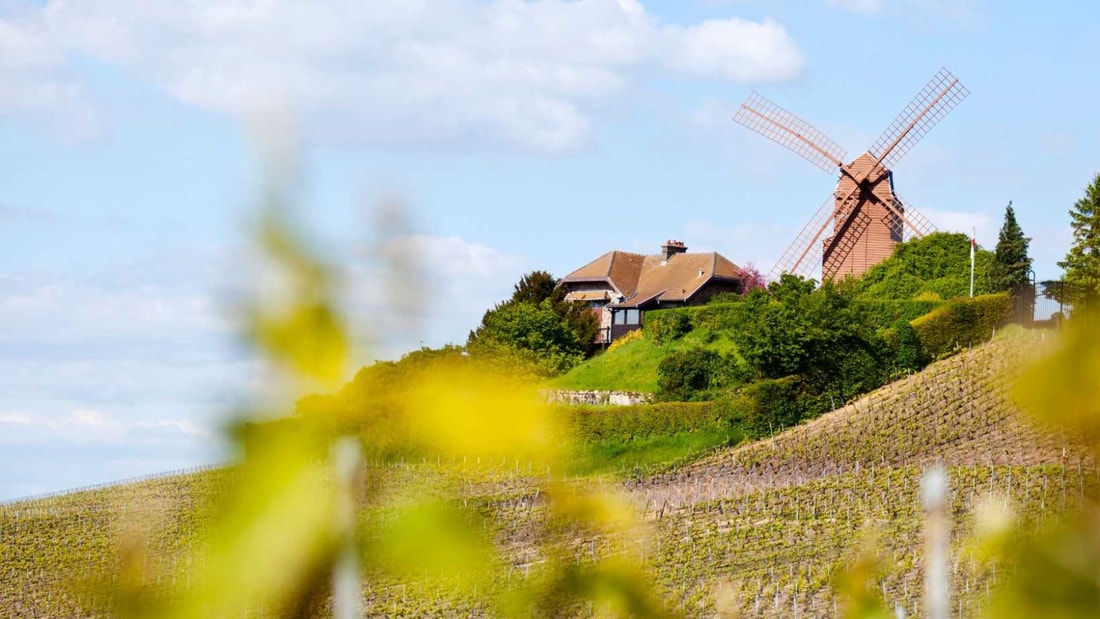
x=516, y=135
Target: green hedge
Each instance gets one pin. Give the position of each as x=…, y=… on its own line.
x=601, y=423
x=717, y=317
x=664, y=326
x=885, y=313
x=962, y=322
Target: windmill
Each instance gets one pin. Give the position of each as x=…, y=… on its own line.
x=859, y=225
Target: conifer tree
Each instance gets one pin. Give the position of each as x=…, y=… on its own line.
x=1082, y=263
x=1008, y=272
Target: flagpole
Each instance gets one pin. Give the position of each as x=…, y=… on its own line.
x=973, y=243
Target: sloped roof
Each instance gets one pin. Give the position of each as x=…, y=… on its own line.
x=621, y=269
x=641, y=279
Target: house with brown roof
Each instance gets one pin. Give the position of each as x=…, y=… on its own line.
x=622, y=286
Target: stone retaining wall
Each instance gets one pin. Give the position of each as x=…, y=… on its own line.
x=612, y=398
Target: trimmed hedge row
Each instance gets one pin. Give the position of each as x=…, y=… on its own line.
x=887, y=312
x=664, y=326
x=961, y=322
x=761, y=407
x=601, y=423
x=717, y=316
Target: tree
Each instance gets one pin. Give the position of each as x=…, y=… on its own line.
x=794, y=328
x=539, y=286
x=774, y=336
x=909, y=355
x=936, y=265
x=1011, y=264
x=1082, y=263
x=752, y=279
x=535, y=287
x=584, y=322
x=1058, y=290
x=535, y=328
x=531, y=335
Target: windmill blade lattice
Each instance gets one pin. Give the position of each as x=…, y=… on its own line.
x=916, y=224
x=777, y=124
x=938, y=97
x=803, y=255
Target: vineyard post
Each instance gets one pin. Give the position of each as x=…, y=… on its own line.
x=936, y=585
x=346, y=592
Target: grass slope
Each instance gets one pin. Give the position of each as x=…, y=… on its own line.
x=631, y=457
x=768, y=524
x=633, y=366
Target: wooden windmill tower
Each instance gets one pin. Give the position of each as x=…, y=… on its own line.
x=859, y=225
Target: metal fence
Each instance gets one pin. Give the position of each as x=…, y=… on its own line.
x=1042, y=304
x=1052, y=302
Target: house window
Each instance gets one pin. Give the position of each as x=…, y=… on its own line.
x=632, y=317
x=619, y=317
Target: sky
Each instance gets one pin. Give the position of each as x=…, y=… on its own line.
x=484, y=139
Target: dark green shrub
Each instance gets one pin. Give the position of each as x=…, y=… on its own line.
x=664, y=326
x=699, y=374
x=904, y=344
x=685, y=375
x=772, y=404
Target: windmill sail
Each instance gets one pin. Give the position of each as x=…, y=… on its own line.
x=938, y=97
x=779, y=125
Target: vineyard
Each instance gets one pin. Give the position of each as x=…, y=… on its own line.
x=765, y=527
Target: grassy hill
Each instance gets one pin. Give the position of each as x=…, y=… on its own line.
x=633, y=366
x=768, y=524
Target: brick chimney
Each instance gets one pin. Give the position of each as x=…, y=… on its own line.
x=671, y=248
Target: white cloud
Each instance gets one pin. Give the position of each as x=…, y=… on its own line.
x=446, y=285
x=509, y=73
x=451, y=257
x=47, y=452
x=15, y=419
x=86, y=426
x=91, y=418
x=735, y=49
x=58, y=310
